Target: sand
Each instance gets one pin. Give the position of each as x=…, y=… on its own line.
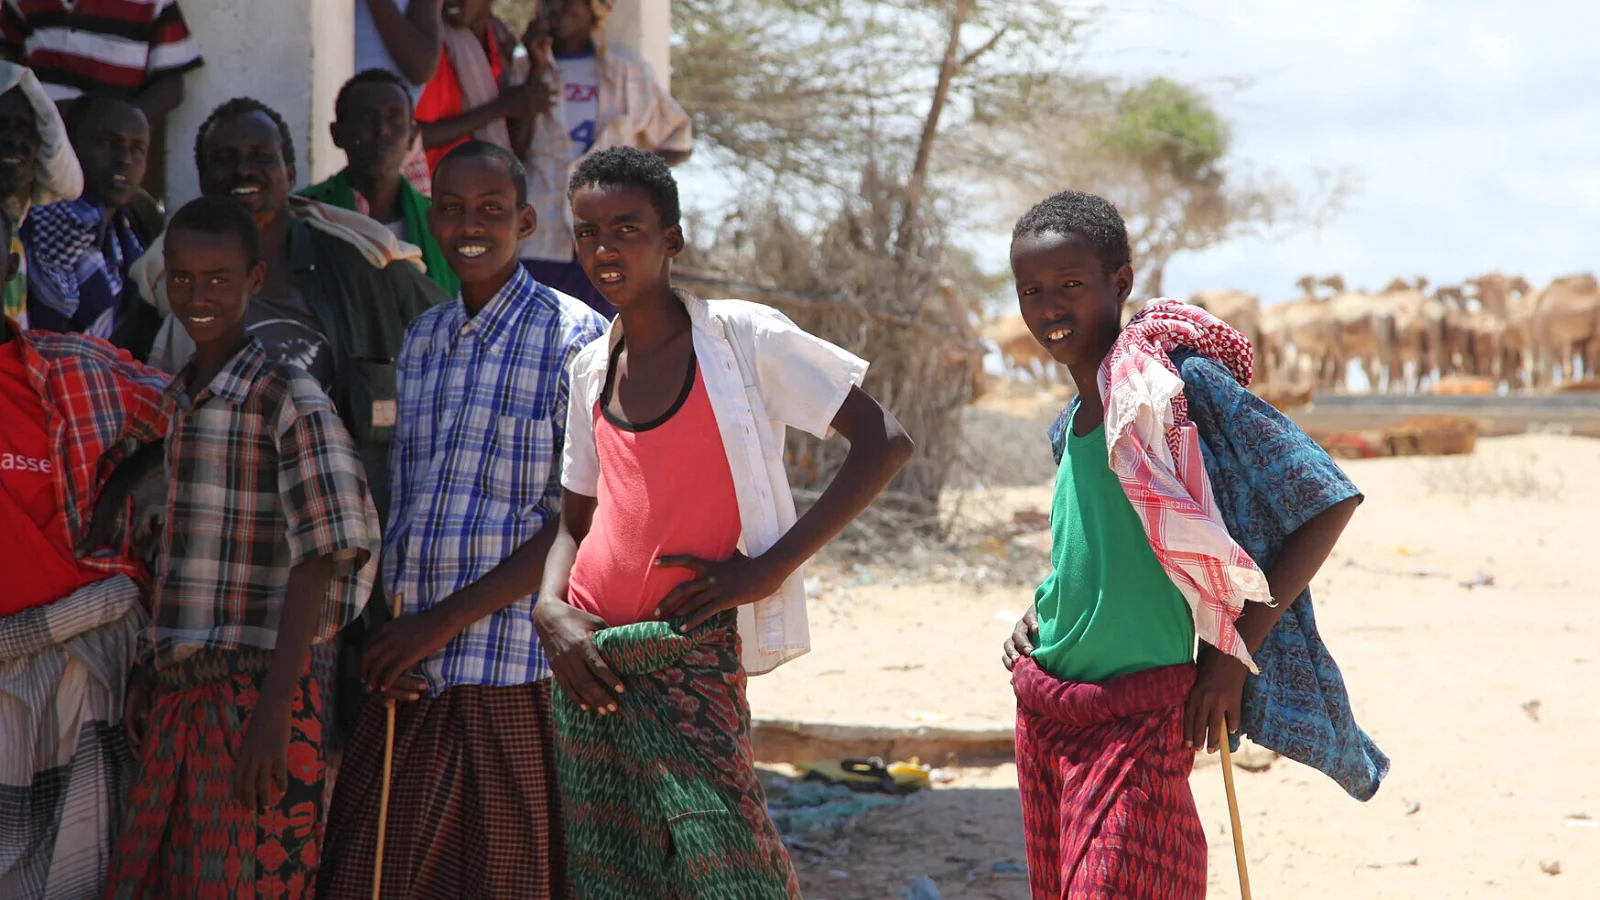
x=1485, y=695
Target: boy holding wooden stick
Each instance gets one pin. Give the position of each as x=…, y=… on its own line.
x=1185, y=507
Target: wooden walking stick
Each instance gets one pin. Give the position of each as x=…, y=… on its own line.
x=388, y=761
x=1233, y=812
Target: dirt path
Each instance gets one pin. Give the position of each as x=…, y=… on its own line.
x=1487, y=697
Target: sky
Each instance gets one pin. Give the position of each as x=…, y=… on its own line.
x=1472, y=130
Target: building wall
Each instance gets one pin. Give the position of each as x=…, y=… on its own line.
x=294, y=55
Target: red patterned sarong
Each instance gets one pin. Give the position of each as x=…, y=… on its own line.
x=1104, y=778
x=184, y=835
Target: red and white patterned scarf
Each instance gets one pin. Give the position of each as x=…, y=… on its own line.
x=1155, y=452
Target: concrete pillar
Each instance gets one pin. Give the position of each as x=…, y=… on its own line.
x=292, y=55
x=646, y=27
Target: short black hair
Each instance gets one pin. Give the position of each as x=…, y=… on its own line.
x=219, y=215
x=79, y=108
x=239, y=106
x=631, y=167
x=1088, y=216
x=486, y=150
x=372, y=76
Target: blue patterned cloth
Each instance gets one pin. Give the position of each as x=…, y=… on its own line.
x=475, y=465
x=78, y=263
x=1269, y=479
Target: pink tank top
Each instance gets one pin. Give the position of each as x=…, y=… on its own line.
x=665, y=489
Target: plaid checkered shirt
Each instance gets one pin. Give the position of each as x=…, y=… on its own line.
x=475, y=464
x=261, y=477
x=113, y=404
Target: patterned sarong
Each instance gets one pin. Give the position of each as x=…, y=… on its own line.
x=64, y=765
x=1155, y=451
x=1104, y=780
x=662, y=797
x=184, y=834
x=473, y=810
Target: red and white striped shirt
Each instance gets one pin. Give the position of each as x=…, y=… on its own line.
x=112, y=47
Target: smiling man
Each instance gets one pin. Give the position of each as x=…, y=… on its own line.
x=80, y=251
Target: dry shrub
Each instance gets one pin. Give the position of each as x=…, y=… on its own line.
x=907, y=316
x=1475, y=478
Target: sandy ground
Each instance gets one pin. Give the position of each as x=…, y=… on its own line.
x=1486, y=697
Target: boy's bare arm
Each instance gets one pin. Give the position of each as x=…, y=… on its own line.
x=879, y=447
x=566, y=632
x=413, y=38
x=1219, y=689
x=261, y=770
x=400, y=644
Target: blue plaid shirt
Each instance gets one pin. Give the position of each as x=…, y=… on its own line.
x=475, y=464
x=1269, y=479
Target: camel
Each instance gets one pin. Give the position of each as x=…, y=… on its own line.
x=1419, y=333
x=1301, y=341
x=1564, y=324
x=1364, y=324
x=1020, y=350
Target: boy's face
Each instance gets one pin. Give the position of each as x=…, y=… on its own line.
x=242, y=158
x=375, y=128
x=113, y=144
x=476, y=219
x=1072, y=306
x=621, y=243
x=209, y=284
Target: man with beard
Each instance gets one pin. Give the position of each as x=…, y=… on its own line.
x=374, y=126
x=80, y=251
x=70, y=612
x=37, y=166
x=340, y=290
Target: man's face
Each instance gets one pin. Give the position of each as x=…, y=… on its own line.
x=242, y=158
x=209, y=283
x=19, y=143
x=476, y=219
x=113, y=144
x=375, y=127
x=621, y=244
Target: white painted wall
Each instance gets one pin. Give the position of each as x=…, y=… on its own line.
x=292, y=55
x=646, y=27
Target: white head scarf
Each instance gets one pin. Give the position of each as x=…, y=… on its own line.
x=57, y=175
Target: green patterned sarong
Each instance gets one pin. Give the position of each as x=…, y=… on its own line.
x=661, y=797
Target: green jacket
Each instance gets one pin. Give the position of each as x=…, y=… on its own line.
x=337, y=191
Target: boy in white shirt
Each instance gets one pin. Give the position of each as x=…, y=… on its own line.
x=677, y=563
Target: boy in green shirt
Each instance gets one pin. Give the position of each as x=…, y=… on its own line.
x=1111, y=703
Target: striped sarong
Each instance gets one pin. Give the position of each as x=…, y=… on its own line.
x=473, y=811
x=662, y=798
x=183, y=834
x=64, y=765
x=1104, y=779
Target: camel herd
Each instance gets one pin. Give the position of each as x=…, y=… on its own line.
x=1494, y=328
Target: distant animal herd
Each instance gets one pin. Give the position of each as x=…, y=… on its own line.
x=1495, y=329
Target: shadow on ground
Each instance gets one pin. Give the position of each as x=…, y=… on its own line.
x=967, y=840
